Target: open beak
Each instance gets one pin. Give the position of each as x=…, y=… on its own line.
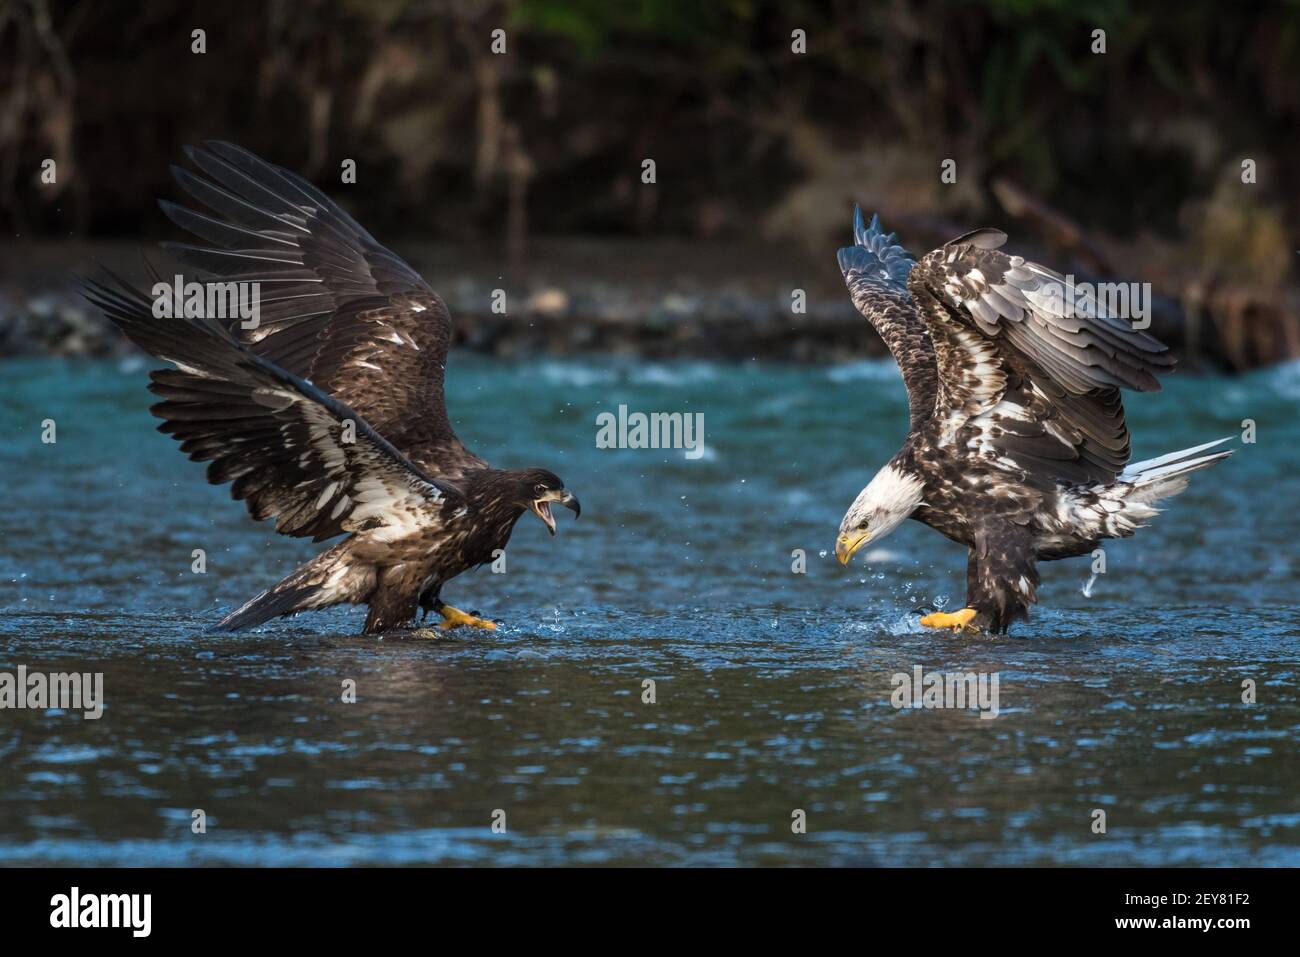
x=542, y=506
x=847, y=545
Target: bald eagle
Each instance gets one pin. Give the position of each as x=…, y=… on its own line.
x=1017, y=446
x=326, y=413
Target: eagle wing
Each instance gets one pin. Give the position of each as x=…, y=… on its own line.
x=336, y=308
x=875, y=270
x=1030, y=366
x=291, y=451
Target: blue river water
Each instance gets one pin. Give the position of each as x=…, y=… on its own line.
x=672, y=682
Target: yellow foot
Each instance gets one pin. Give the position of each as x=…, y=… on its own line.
x=453, y=617
x=957, y=620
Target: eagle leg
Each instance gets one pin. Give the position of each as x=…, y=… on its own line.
x=429, y=601
x=394, y=600
x=454, y=618
x=1001, y=578
x=957, y=621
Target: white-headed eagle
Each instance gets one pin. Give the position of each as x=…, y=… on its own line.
x=1017, y=446
x=326, y=414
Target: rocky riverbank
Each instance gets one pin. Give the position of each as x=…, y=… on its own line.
x=653, y=299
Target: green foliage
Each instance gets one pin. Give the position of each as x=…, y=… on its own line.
x=594, y=26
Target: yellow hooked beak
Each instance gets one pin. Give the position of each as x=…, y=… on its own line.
x=542, y=506
x=848, y=544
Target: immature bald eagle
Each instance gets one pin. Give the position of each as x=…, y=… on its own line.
x=1017, y=446
x=328, y=415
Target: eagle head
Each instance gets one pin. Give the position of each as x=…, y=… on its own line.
x=890, y=497
x=538, y=488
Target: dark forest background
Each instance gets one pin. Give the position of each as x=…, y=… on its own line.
x=1127, y=163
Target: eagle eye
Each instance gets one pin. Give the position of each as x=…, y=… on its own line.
x=862, y=524
x=539, y=488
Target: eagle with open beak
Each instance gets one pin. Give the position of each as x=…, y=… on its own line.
x=328, y=415
x=541, y=506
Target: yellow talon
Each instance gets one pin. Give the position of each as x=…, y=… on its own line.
x=957, y=620
x=454, y=617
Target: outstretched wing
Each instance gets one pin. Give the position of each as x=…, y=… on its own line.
x=292, y=452
x=1029, y=364
x=875, y=270
x=335, y=307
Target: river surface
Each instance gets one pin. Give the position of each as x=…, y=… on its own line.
x=770, y=739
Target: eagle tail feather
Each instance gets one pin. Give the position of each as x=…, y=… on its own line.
x=328, y=579
x=272, y=603
x=1166, y=475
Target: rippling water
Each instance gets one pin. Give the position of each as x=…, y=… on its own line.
x=772, y=689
